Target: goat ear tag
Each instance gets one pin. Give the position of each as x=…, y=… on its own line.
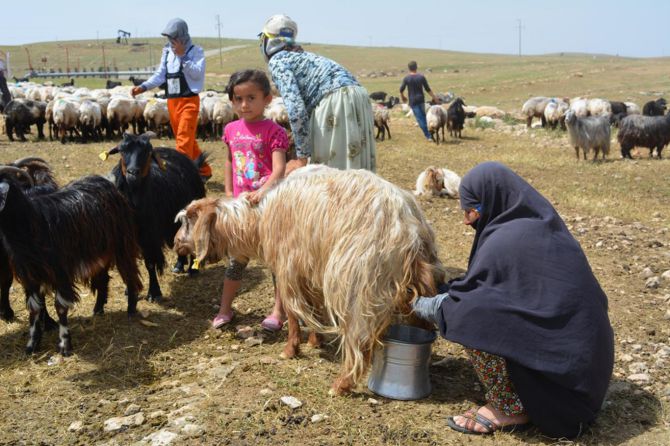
x=103, y=156
x=196, y=264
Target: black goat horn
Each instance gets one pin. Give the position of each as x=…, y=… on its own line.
x=19, y=173
x=29, y=159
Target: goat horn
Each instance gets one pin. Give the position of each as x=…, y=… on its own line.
x=19, y=173
x=29, y=159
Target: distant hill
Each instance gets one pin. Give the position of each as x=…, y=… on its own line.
x=502, y=80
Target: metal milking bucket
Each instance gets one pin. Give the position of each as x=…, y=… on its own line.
x=400, y=369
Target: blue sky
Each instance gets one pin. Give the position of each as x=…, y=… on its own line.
x=486, y=26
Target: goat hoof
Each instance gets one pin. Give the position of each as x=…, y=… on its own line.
x=66, y=351
x=156, y=299
x=193, y=272
x=30, y=349
x=98, y=312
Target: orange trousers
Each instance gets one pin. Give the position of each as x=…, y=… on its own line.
x=184, y=122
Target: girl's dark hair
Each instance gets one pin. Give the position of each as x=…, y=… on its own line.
x=258, y=77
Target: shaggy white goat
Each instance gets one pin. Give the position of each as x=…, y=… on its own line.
x=368, y=252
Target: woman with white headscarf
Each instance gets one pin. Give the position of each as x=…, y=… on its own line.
x=182, y=73
x=329, y=111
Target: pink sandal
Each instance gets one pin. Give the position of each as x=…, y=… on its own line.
x=272, y=323
x=222, y=319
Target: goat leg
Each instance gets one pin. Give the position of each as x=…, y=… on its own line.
x=35, y=304
x=100, y=286
x=154, y=294
x=64, y=342
x=292, y=347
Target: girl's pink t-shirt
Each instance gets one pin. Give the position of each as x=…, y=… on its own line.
x=251, y=145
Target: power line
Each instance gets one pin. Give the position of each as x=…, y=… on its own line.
x=218, y=27
x=520, y=27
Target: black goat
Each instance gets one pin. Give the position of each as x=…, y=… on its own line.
x=652, y=132
x=378, y=96
x=20, y=114
x=456, y=118
x=21, y=79
x=75, y=234
x=112, y=84
x=136, y=82
x=68, y=84
x=618, y=107
x=43, y=182
x=158, y=182
x=654, y=108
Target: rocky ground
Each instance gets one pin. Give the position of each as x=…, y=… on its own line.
x=167, y=378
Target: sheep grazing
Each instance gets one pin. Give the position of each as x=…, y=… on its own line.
x=70, y=83
x=158, y=183
x=554, y=113
x=652, y=132
x=437, y=182
x=382, y=116
x=90, y=117
x=136, y=81
x=599, y=107
x=456, y=117
x=655, y=108
x=74, y=234
x=65, y=117
x=436, y=119
x=112, y=84
x=588, y=133
x=368, y=253
x=534, y=108
x=378, y=96
x=20, y=114
x=157, y=116
x=632, y=108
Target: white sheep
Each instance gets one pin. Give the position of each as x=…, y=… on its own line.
x=632, y=108
x=599, y=107
x=65, y=116
x=436, y=119
x=90, y=116
x=156, y=115
x=554, y=112
x=580, y=106
x=120, y=113
x=223, y=114
x=437, y=182
x=534, y=108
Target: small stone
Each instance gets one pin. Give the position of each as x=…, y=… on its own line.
x=268, y=360
x=55, y=360
x=291, y=401
x=244, y=332
x=161, y=438
x=254, y=340
x=156, y=414
x=235, y=347
x=103, y=402
x=666, y=275
x=319, y=417
x=265, y=392
x=76, y=426
x=638, y=367
x=647, y=273
x=221, y=372
x=636, y=348
x=373, y=402
x=192, y=430
x=599, y=244
x=652, y=282
x=182, y=421
x=640, y=378
x=119, y=423
x=667, y=315
x=626, y=357
x=132, y=409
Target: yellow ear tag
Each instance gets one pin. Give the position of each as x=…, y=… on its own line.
x=196, y=264
x=103, y=156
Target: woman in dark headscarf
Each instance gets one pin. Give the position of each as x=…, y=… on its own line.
x=529, y=312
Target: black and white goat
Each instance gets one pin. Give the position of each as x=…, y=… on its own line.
x=74, y=234
x=158, y=182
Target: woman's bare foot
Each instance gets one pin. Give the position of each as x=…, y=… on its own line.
x=493, y=414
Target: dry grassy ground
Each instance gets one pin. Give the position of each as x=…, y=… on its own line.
x=210, y=387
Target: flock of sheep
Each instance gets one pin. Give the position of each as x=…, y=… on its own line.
x=589, y=121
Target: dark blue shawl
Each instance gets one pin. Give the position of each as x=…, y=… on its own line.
x=529, y=295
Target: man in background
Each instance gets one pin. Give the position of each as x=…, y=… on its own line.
x=416, y=83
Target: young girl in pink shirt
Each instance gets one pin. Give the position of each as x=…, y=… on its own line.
x=256, y=161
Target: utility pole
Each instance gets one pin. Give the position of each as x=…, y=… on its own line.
x=520, y=27
x=218, y=27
